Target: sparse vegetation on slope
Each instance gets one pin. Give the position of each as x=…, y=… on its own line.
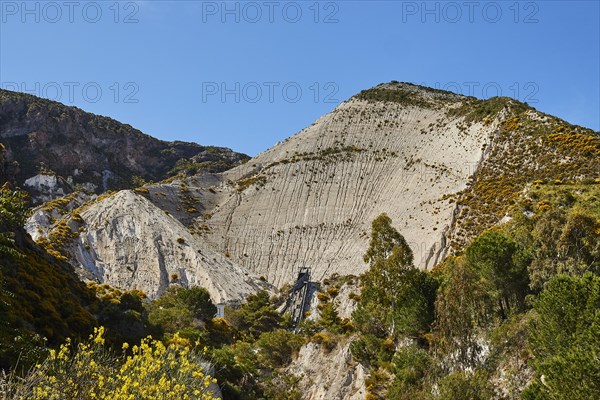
x=525, y=151
x=80, y=149
x=407, y=94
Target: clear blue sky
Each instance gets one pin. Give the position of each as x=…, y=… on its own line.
x=229, y=73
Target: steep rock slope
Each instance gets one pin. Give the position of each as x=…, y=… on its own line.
x=328, y=375
x=127, y=242
x=40, y=296
x=309, y=200
x=59, y=148
x=8, y=170
x=443, y=166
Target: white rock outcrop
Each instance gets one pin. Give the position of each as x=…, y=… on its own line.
x=329, y=375
x=128, y=242
x=45, y=187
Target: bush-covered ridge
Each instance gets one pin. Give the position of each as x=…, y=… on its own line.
x=46, y=137
x=40, y=296
x=529, y=148
x=408, y=94
x=514, y=315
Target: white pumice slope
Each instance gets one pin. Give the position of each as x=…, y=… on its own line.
x=128, y=242
x=311, y=198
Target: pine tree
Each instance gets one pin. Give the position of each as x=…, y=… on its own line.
x=396, y=297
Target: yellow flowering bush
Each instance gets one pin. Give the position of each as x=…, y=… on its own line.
x=151, y=370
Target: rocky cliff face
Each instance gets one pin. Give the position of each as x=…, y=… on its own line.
x=329, y=375
x=127, y=242
x=442, y=166
x=309, y=200
x=89, y=152
x=8, y=170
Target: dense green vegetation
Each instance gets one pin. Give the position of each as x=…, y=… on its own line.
x=565, y=339
x=42, y=301
x=516, y=314
x=396, y=299
x=518, y=309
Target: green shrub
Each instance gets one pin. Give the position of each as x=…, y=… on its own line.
x=180, y=308
x=503, y=264
x=275, y=349
x=255, y=316
x=325, y=339
x=565, y=339
x=464, y=385
x=329, y=318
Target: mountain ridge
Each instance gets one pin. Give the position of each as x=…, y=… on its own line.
x=463, y=128
x=57, y=149
x=418, y=154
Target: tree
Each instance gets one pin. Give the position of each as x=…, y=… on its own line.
x=121, y=313
x=502, y=262
x=463, y=309
x=372, y=351
x=275, y=349
x=546, y=233
x=411, y=365
x=565, y=339
x=197, y=300
x=566, y=244
x=329, y=318
x=580, y=243
x=255, y=316
x=180, y=308
x=464, y=385
x=237, y=371
x=396, y=297
x=384, y=240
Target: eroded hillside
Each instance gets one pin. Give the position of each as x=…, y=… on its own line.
x=309, y=200
x=127, y=242
x=444, y=167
